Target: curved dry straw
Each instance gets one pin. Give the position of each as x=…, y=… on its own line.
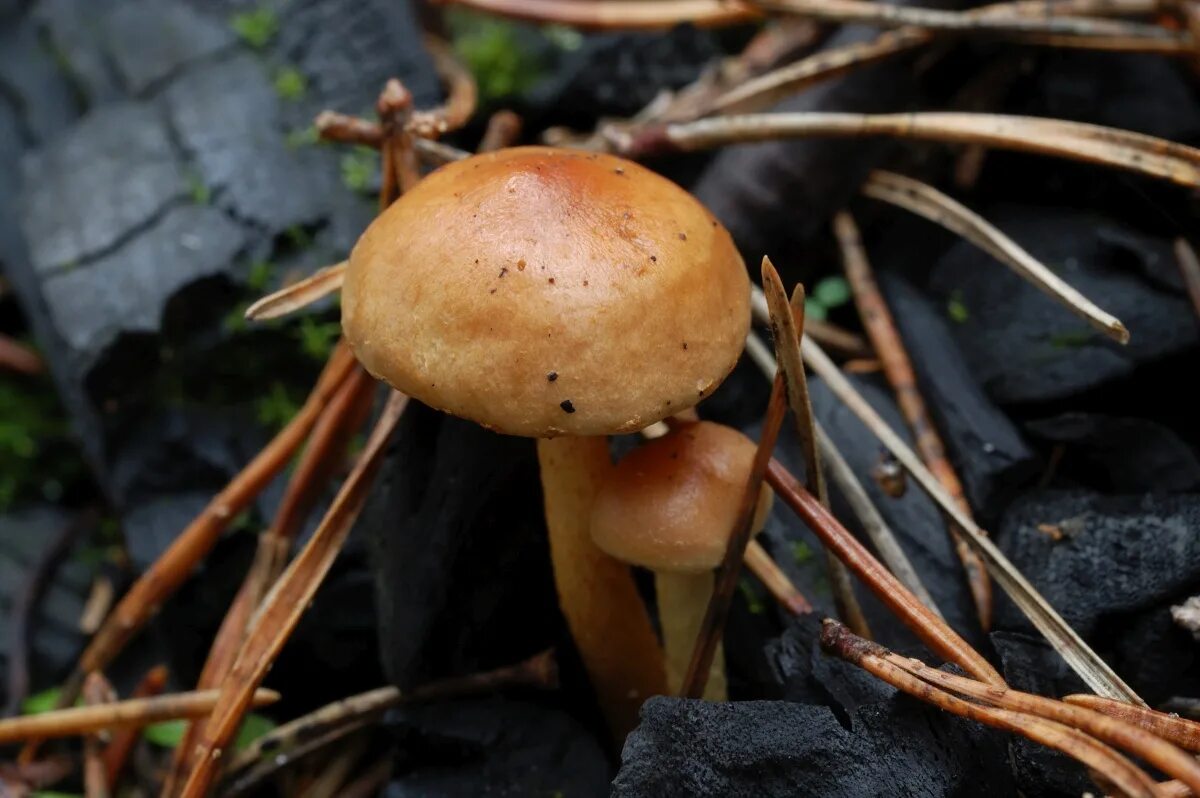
x=624, y=15
x=925, y=200
x=1122, y=149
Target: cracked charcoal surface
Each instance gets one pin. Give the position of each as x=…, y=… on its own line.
x=896, y=747
x=240, y=150
x=30, y=78
x=1024, y=347
x=1121, y=455
x=457, y=505
x=127, y=292
x=493, y=746
x=150, y=40
x=91, y=187
x=1122, y=562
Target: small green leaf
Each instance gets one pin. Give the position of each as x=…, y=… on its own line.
x=956, y=309
x=814, y=310
x=801, y=552
x=832, y=292
x=167, y=734
x=256, y=28
x=1072, y=339
x=358, y=167
x=253, y=727
x=199, y=191
x=41, y=702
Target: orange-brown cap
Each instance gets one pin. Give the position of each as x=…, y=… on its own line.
x=670, y=505
x=541, y=292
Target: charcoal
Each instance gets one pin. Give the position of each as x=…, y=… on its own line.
x=986, y=450
x=1120, y=455
x=150, y=41
x=896, y=747
x=32, y=82
x=493, y=746
x=1024, y=347
x=1112, y=566
x=461, y=567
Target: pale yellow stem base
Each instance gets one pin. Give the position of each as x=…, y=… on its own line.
x=597, y=594
x=682, y=601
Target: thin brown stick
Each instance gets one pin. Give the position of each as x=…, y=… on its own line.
x=775, y=580
x=96, y=693
x=339, y=420
x=1181, y=732
x=891, y=16
x=1078, y=655
x=286, y=743
x=1145, y=746
x=333, y=772
x=787, y=319
x=77, y=721
x=503, y=130
x=165, y=576
x=1122, y=149
x=880, y=534
x=1112, y=765
x=462, y=95
x=299, y=294
x=626, y=15
x=116, y=755
x=925, y=200
x=97, y=604
x=889, y=347
x=713, y=626
x=371, y=780
x=1189, y=266
x=15, y=356
x=286, y=602
x=930, y=628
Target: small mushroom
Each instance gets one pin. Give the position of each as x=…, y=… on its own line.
x=670, y=506
x=609, y=268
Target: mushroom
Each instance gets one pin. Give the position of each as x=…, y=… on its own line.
x=670, y=506
x=566, y=296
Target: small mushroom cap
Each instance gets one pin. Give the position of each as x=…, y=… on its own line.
x=540, y=292
x=670, y=505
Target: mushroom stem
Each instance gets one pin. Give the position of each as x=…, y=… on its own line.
x=596, y=592
x=682, y=599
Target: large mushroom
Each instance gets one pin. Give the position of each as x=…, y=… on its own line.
x=566, y=296
x=669, y=506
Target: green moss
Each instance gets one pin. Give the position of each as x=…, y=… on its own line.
x=359, y=166
x=303, y=137
x=277, y=406
x=37, y=456
x=492, y=49
x=290, y=84
x=801, y=552
x=298, y=237
x=257, y=27
x=317, y=337
x=814, y=310
x=754, y=602
x=198, y=190
x=260, y=275
x=956, y=308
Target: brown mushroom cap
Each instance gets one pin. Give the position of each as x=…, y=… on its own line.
x=670, y=504
x=540, y=292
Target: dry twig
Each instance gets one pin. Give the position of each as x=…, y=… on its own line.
x=287, y=601
x=132, y=712
x=124, y=739
x=715, y=615
x=925, y=200
x=15, y=356
x=1113, y=766
x=784, y=328
x=1082, y=659
x=1122, y=149
x=775, y=580
x=885, y=339
x=880, y=534
x=1181, y=732
x=1189, y=266
x=503, y=130
x=461, y=94
x=300, y=294
x=627, y=15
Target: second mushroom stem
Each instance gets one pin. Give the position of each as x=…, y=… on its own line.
x=885, y=338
